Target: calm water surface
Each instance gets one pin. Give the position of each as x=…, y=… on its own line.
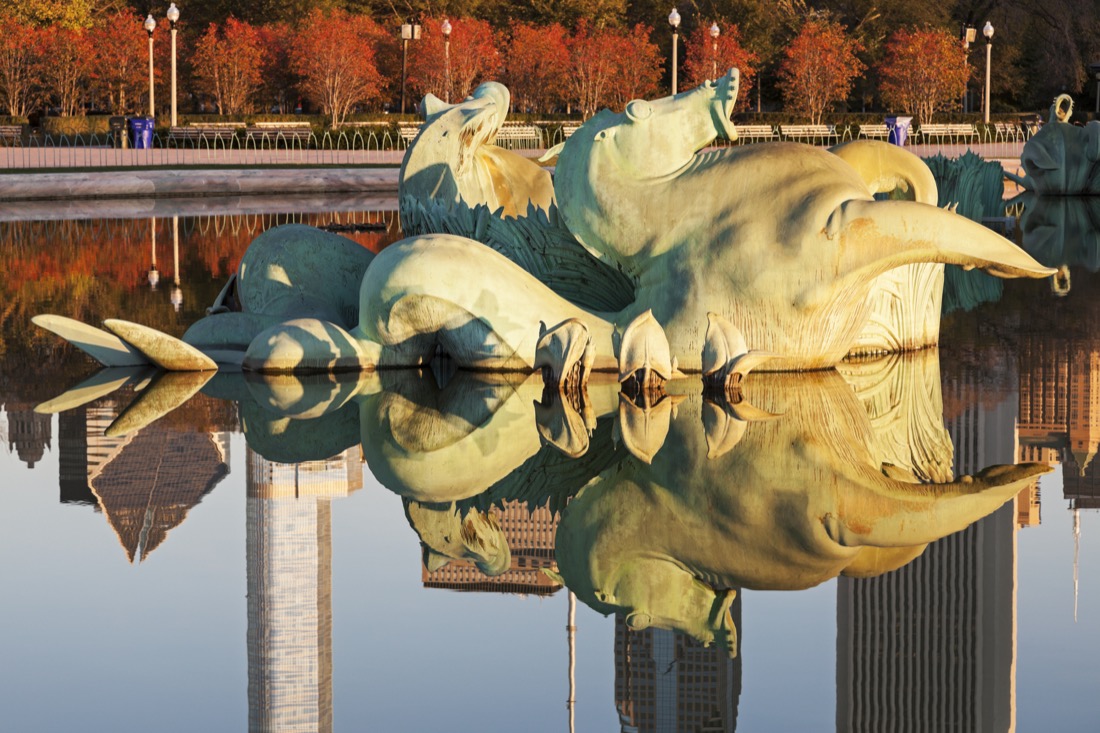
x=290, y=556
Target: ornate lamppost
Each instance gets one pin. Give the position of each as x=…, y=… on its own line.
x=173, y=16
x=409, y=32
x=446, y=28
x=674, y=21
x=987, y=31
x=150, y=25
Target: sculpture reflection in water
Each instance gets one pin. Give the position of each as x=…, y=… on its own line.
x=669, y=503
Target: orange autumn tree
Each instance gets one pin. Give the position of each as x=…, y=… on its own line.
x=818, y=68
x=278, y=81
x=71, y=61
x=924, y=70
x=473, y=58
x=610, y=67
x=333, y=54
x=20, y=66
x=536, y=64
x=637, y=68
x=121, y=74
x=227, y=65
x=701, y=57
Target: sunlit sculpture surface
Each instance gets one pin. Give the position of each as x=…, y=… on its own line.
x=454, y=159
x=785, y=242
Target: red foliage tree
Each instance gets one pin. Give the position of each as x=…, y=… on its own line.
x=536, y=65
x=924, y=70
x=818, y=68
x=703, y=59
x=333, y=54
x=472, y=58
x=278, y=81
x=71, y=59
x=611, y=67
x=638, y=66
x=20, y=66
x=121, y=73
x=227, y=65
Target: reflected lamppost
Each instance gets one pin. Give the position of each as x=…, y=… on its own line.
x=150, y=25
x=173, y=16
x=409, y=32
x=177, y=292
x=714, y=33
x=987, y=31
x=674, y=21
x=446, y=28
x=154, y=274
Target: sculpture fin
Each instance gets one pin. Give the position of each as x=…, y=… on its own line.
x=165, y=351
x=905, y=514
x=881, y=235
x=166, y=394
x=103, y=346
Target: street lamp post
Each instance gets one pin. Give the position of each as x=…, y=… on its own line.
x=409, y=32
x=173, y=16
x=969, y=33
x=714, y=33
x=674, y=21
x=987, y=31
x=446, y=28
x=150, y=25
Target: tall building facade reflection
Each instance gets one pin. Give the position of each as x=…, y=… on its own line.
x=289, y=568
x=932, y=646
x=666, y=681
x=29, y=434
x=144, y=482
x=530, y=536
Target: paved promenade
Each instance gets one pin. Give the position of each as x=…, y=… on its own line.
x=143, y=183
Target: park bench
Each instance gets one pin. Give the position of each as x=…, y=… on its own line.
x=749, y=133
x=877, y=132
x=1007, y=132
x=568, y=128
x=290, y=134
x=518, y=135
x=954, y=131
x=212, y=134
x=11, y=134
x=810, y=133
x=408, y=130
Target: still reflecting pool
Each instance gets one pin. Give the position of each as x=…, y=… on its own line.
x=901, y=543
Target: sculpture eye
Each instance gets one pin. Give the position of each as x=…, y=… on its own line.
x=638, y=110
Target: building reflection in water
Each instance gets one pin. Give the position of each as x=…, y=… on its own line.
x=932, y=646
x=289, y=558
x=145, y=482
x=667, y=681
x=530, y=536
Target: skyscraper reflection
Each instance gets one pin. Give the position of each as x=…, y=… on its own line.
x=289, y=559
x=667, y=681
x=932, y=646
x=144, y=482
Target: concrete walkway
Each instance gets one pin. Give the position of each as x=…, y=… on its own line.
x=145, y=183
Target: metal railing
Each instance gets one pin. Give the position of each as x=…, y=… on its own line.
x=332, y=148
x=365, y=146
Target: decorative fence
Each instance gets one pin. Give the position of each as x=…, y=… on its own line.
x=202, y=146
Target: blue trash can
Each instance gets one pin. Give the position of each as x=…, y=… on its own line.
x=141, y=132
x=899, y=129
